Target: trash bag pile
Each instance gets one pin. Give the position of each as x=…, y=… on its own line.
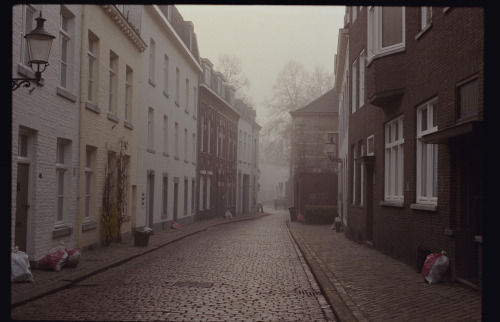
x=20, y=267
x=59, y=257
x=435, y=266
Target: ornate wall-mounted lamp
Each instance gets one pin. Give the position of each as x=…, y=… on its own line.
x=39, y=42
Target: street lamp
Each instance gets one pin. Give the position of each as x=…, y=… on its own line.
x=39, y=42
x=331, y=152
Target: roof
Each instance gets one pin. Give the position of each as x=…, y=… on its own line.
x=327, y=103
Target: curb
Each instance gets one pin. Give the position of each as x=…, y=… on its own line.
x=339, y=307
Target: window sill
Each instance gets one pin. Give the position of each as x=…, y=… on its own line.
x=67, y=95
x=399, y=204
x=166, y=94
x=165, y=154
x=151, y=82
x=151, y=150
x=423, y=31
x=113, y=117
x=385, y=53
x=27, y=72
x=177, y=103
x=186, y=111
x=128, y=125
x=62, y=231
x=89, y=225
x=92, y=107
x=176, y=158
x=425, y=207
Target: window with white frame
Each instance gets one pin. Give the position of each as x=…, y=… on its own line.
x=193, y=149
x=195, y=101
x=165, y=76
x=202, y=133
x=187, y=95
x=165, y=134
x=354, y=91
x=200, y=200
x=152, y=61
x=354, y=170
x=151, y=117
x=29, y=25
x=426, y=154
x=394, y=160
x=362, y=66
x=65, y=44
x=370, y=145
x=426, y=16
x=92, y=68
x=176, y=137
x=386, y=30
x=193, y=185
x=61, y=167
x=186, y=189
x=128, y=93
x=113, y=62
x=185, y=144
x=177, y=85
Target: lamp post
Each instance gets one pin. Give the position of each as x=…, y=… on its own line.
x=331, y=152
x=39, y=42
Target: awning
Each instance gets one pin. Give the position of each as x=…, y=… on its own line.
x=444, y=135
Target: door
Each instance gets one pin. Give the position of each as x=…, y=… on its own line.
x=151, y=197
x=176, y=198
x=22, y=206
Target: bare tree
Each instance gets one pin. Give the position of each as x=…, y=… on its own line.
x=294, y=88
x=230, y=67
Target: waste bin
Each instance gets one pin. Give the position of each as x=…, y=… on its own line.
x=293, y=215
x=141, y=236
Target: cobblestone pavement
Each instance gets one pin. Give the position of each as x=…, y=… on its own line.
x=244, y=271
x=360, y=283
x=377, y=287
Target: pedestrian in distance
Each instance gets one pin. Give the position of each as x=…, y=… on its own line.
x=228, y=214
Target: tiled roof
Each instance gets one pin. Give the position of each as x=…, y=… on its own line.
x=326, y=103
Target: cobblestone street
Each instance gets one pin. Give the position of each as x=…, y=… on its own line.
x=243, y=271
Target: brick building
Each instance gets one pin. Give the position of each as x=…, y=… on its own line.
x=313, y=175
x=414, y=100
x=217, y=142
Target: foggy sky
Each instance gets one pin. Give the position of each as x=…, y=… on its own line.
x=265, y=38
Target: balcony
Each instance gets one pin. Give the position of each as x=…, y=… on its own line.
x=386, y=80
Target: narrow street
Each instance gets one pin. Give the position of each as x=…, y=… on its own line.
x=243, y=271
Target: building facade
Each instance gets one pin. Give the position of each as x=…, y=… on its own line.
x=414, y=134
x=110, y=95
x=167, y=117
x=314, y=176
x=45, y=136
x=248, y=166
x=217, y=142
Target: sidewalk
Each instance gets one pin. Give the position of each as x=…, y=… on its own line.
x=96, y=260
x=363, y=284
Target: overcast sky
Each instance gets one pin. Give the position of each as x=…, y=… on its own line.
x=265, y=38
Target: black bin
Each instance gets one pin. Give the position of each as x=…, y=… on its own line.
x=141, y=237
x=293, y=215
x=338, y=226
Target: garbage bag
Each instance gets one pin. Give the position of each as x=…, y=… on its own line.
x=73, y=257
x=20, y=267
x=55, y=259
x=300, y=218
x=435, y=267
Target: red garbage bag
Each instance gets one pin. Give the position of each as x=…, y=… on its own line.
x=73, y=257
x=55, y=259
x=435, y=267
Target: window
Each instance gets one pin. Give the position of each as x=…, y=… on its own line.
x=29, y=25
x=202, y=133
x=92, y=72
x=152, y=62
x=165, y=76
x=468, y=99
x=394, y=158
x=128, y=93
x=386, y=30
x=426, y=14
x=61, y=168
x=185, y=145
x=209, y=185
x=426, y=154
x=370, y=148
x=88, y=180
x=164, y=205
x=354, y=13
x=177, y=85
x=195, y=101
x=361, y=174
x=193, y=150
x=187, y=95
x=151, y=115
x=113, y=61
x=64, y=45
x=362, y=66
x=209, y=142
x=354, y=85
x=354, y=170
x=176, y=134
x=165, y=134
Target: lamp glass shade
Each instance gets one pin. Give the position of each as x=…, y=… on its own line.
x=39, y=43
x=331, y=149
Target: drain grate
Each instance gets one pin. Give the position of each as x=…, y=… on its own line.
x=308, y=292
x=194, y=284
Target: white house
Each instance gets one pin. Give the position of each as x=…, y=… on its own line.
x=167, y=116
x=45, y=133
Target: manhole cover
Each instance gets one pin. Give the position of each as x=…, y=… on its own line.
x=194, y=284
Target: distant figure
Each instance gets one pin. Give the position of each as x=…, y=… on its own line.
x=228, y=214
x=260, y=208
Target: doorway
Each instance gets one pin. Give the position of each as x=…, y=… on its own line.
x=22, y=205
x=150, y=198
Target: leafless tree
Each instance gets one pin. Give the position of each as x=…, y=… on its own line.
x=230, y=67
